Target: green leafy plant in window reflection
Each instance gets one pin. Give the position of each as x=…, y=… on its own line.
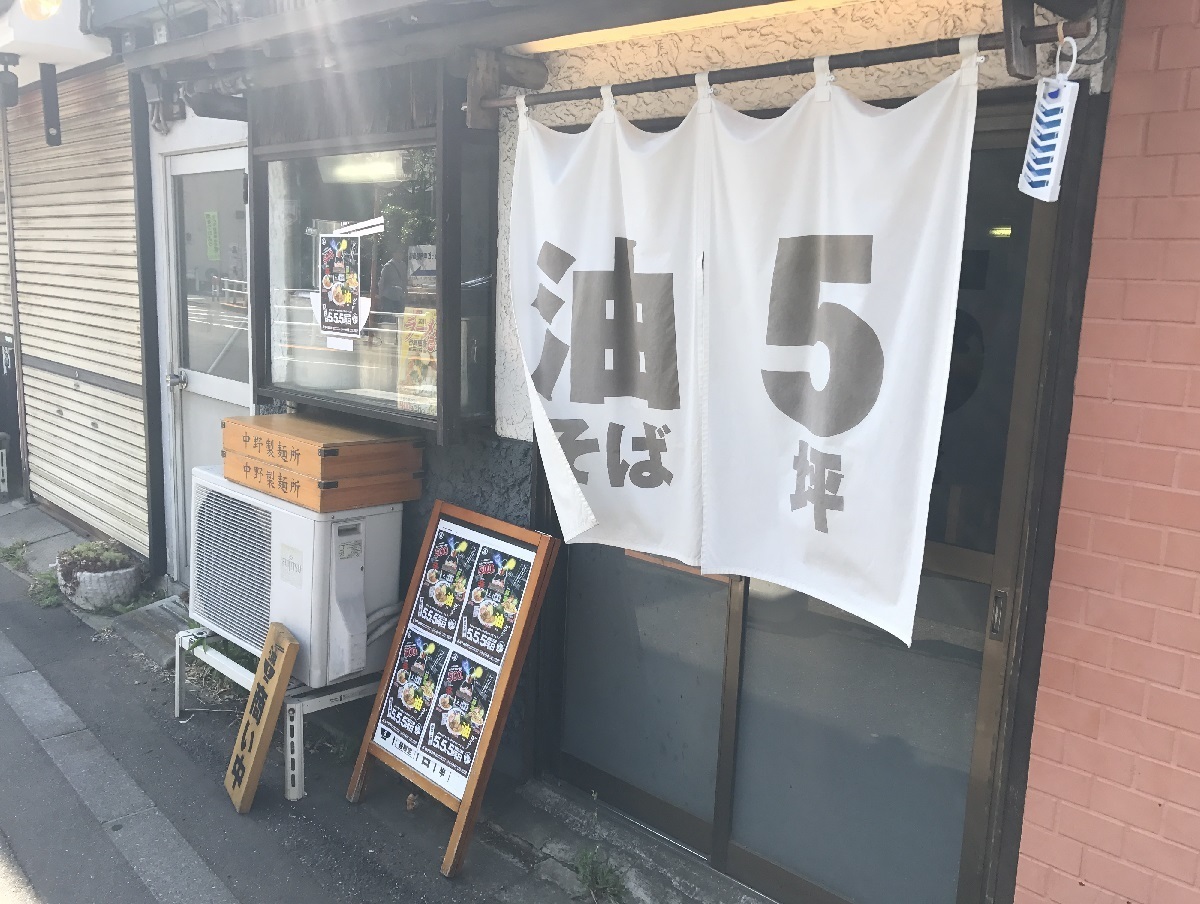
x=408, y=208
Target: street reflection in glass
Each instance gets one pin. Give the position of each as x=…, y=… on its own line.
x=854, y=751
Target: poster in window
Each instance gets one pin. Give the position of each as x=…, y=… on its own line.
x=413, y=690
x=444, y=583
x=493, y=603
x=422, y=269
x=212, y=235
x=340, y=289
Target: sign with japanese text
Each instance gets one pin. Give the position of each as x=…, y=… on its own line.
x=457, y=641
x=265, y=699
x=738, y=357
x=212, y=235
x=339, y=287
x=458, y=649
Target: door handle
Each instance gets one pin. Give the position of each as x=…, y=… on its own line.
x=996, y=622
x=178, y=380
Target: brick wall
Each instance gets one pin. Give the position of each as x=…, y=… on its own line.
x=1113, y=807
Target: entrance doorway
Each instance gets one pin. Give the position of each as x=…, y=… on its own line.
x=794, y=746
x=209, y=316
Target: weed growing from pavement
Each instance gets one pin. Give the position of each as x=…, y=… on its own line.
x=598, y=876
x=319, y=739
x=13, y=555
x=43, y=589
x=211, y=685
x=141, y=598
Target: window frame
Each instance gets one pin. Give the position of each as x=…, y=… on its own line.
x=447, y=138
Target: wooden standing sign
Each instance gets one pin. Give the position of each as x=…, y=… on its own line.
x=265, y=699
x=452, y=672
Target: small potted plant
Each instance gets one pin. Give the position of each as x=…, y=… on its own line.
x=98, y=574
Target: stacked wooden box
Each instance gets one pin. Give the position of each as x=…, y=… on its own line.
x=322, y=467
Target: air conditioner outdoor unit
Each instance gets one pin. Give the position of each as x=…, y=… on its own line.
x=332, y=579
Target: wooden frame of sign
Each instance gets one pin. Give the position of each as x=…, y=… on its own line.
x=452, y=672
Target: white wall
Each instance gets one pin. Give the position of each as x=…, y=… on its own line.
x=192, y=134
x=859, y=26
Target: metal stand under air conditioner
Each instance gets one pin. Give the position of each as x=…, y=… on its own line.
x=299, y=701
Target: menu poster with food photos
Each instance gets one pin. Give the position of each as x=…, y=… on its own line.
x=459, y=647
x=468, y=602
x=339, y=286
x=493, y=604
x=444, y=582
x=414, y=686
x=452, y=737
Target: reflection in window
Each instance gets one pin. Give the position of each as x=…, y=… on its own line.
x=210, y=226
x=354, y=278
x=964, y=507
x=854, y=752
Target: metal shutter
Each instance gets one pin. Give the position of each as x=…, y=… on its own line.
x=78, y=301
x=5, y=301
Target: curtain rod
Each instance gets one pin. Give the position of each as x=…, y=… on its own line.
x=943, y=47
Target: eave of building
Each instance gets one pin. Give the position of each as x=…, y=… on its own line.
x=305, y=43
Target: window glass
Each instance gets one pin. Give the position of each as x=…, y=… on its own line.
x=645, y=659
x=964, y=506
x=210, y=222
x=853, y=751
x=353, y=264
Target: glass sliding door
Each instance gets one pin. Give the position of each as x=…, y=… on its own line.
x=644, y=678
x=808, y=753
x=854, y=751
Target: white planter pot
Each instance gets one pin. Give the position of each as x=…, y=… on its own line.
x=101, y=589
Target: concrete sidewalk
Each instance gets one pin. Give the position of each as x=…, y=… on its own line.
x=151, y=629
x=44, y=537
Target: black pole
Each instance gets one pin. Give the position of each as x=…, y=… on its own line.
x=11, y=250
x=926, y=50
x=143, y=202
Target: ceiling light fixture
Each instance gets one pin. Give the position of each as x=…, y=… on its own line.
x=40, y=10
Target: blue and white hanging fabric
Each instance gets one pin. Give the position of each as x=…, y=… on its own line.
x=737, y=333
x=1050, y=131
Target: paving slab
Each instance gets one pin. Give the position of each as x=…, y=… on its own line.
x=152, y=629
x=63, y=852
x=12, y=660
x=30, y=524
x=12, y=505
x=561, y=876
x=165, y=862
x=104, y=787
x=40, y=708
x=40, y=555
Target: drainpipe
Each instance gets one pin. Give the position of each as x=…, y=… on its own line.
x=11, y=60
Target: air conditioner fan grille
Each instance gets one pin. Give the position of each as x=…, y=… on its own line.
x=231, y=570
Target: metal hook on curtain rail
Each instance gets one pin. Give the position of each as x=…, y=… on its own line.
x=1064, y=42
x=824, y=79
x=704, y=92
x=609, y=110
x=968, y=49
